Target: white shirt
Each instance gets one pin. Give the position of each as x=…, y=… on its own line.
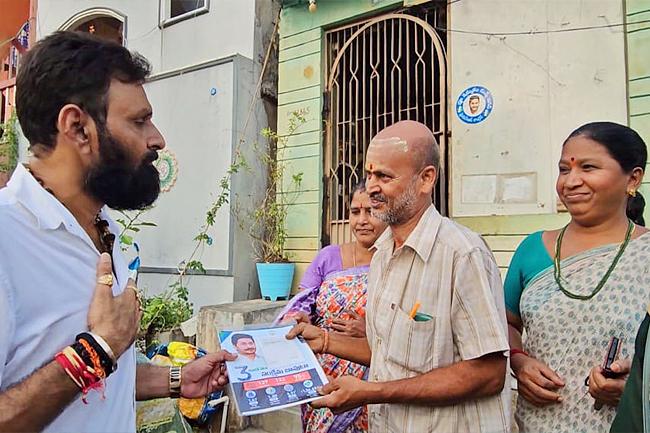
x=47, y=279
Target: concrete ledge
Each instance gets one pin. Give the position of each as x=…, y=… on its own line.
x=287, y=420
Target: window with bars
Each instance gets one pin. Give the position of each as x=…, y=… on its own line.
x=173, y=11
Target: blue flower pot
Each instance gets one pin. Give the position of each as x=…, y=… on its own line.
x=275, y=279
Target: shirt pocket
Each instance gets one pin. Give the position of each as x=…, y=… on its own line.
x=410, y=343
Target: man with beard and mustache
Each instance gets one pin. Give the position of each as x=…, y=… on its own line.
x=69, y=314
x=436, y=328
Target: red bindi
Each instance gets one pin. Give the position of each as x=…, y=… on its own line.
x=370, y=166
x=573, y=162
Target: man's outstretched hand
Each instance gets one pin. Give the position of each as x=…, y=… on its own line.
x=205, y=375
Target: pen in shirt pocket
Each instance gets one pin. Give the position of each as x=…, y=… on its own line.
x=418, y=317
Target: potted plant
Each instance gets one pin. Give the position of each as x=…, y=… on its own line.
x=268, y=221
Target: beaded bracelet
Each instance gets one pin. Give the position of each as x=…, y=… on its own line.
x=94, y=358
x=106, y=359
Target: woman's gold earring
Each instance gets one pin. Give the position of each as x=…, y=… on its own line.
x=632, y=192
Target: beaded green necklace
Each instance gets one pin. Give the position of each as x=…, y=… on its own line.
x=558, y=275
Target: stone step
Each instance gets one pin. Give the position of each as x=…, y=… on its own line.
x=285, y=421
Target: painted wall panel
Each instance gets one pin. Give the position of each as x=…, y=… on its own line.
x=303, y=220
x=304, y=151
x=310, y=110
x=304, y=139
x=299, y=95
x=514, y=225
x=300, y=50
x=291, y=41
x=634, y=7
x=639, y=104
x=639, y=86
x=503, y=258
x=543, y=85
x=304, y=197
x=301, y=72
x=302, y=244
x=503, y=243
x=310, y=167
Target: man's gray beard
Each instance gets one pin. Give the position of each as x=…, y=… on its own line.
x=401, y=210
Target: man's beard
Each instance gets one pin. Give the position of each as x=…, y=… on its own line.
x=116, y=182
x=398, y=211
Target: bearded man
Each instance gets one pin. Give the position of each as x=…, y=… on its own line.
x=435, y=321
x=81, y=105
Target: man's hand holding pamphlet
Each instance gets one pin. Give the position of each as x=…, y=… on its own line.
x=270, y=372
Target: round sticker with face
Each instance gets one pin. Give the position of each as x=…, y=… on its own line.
x=474, y=104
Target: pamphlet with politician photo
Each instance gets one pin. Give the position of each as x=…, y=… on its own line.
x=271, y=372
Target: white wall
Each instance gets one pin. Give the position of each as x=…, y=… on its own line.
x=198, y=128
x=227, y=28
x=544, y=86
x=203, y=290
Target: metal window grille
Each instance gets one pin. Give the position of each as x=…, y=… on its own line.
x=380, y=71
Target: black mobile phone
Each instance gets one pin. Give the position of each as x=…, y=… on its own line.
x=610, y=357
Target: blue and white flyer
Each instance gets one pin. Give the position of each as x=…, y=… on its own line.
x=271, y=372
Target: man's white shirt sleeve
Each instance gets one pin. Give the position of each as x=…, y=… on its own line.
x=7, y=323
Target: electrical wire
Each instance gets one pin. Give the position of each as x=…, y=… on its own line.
x=539, y=32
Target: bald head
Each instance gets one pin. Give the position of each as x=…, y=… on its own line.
x=412, y=138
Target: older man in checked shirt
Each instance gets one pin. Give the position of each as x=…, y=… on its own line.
x=436, y=329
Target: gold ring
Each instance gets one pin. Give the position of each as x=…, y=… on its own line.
x=107, y=280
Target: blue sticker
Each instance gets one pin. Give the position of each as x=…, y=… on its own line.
x=474, y=105
x=213, y=91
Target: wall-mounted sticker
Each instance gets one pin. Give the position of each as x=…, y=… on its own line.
x=474, y=105
x=167, y=167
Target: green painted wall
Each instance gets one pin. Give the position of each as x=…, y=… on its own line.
x=504, y=233
x=638, y=75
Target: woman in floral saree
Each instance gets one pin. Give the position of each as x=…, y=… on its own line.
x=333, y=297
x=574, y=289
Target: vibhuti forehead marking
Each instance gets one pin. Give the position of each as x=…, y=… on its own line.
x=390, y=141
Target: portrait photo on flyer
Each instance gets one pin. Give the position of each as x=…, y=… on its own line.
x=270, y=372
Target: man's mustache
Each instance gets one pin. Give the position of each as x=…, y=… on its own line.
x=150, y=157
x=379, y=197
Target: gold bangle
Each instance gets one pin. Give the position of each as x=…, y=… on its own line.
x=326, y=341
x=175, y=382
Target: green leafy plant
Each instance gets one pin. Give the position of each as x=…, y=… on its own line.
x=164, y=311
x=267, y=223
x=9, y=144
x=131, y=224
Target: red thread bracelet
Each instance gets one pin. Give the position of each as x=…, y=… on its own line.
x=516, y=351
x=82, y=375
